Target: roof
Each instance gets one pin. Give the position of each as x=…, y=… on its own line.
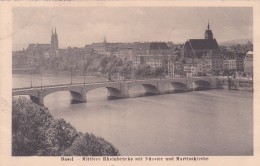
x=135, y=45
x=31, y=46
x=158, y=46
x=43, y=46
x=203, y=44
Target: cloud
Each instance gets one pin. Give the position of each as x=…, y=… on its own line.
x=84, y=25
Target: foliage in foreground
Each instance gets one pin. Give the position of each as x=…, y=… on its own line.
x=36, y=132
x=90, y=145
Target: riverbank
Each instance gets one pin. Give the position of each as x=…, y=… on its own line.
x=236, y=84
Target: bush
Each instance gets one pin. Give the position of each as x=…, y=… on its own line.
x=90, y=145
x=36, y=132
x=59, y=136
x=29, y=123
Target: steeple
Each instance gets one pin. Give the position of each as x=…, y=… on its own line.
x=54, y=41
x=208, y=33
x=105, y=40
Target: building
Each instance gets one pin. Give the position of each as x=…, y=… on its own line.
x=190, y=69
x=202, y=67
x=229, y=64
x=151, y=48
x=248, y=62
x=158, y=48
x=96, y=62
x=206, y=49
x=196, y=48
x=126, y=54
x=154, y=61
x=240, y=64
x=19, y=59
x=196, y=67
x=214, y=61
x=235, y=63
x=175, y=69
x=54, y=42
x=137, y=61
x=36, y=51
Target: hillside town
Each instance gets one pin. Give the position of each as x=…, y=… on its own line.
x=194, y=57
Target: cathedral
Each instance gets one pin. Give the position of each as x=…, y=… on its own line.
x=44, y=50
x=54, y=41
x=198, y=51
x=196, y=48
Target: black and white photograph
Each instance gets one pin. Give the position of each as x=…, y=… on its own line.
x=132, y=81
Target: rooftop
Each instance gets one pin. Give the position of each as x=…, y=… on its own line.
x=203, y=44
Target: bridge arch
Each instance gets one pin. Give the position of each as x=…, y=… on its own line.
x=201, y=85
x=150, y=88
x=76, y=95
x=178, y=87
x=31, y=94
x=114, y=91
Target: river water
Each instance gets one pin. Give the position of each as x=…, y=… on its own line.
x=213, y=122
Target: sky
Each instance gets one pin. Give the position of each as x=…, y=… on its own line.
x=78, y=26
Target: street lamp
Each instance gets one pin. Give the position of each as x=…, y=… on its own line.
x=84, y=69
x=41, y=80
x=30, y=72
x=134, y=77
x=41, y=71
x=31, y=78
x=71, y=75
x=174, y=68
x=84, y=75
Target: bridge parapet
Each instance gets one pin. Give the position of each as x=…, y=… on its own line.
x=119, y=89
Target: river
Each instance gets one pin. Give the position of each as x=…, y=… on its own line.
x=213, y=122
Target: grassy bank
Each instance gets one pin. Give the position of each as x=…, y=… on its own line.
x=36, y=133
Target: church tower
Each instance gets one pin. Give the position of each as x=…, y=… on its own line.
x=54, y=41
x=208, y=33
x=105, y=40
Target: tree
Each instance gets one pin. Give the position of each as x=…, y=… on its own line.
x=158, y=71
x=119, y=62
x=90, y=145
x=104, y=62
x=29, y=123
x=59, y=136
x=165, y=61
x=145, y=70
x=36, y=132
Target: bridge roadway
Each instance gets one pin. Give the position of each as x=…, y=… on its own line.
x=119, y=89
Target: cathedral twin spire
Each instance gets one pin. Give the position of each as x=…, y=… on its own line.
x=54, y=33
x=54, y=40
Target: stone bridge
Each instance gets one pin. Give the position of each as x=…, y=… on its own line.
x=120, y=89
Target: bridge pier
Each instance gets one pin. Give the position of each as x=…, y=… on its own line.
x=122, y=92
x=120, y=89
x=214, y=83
x=179, y=87
x=163, y=87
x=151, y=90
x=37, y=100
x=78, y=97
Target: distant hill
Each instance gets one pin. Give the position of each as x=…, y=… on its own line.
x=234, y=42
